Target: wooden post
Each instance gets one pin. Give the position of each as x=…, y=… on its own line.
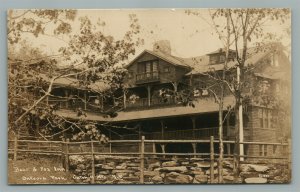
x=162, y=136
x=15, y=148
x=194, y=148
x=175, y=85
x=93, y=162
x=162, y=129
x=67, y=155
x=153, y=149
x=228, y=125
x=212, y=159
x=142, y=157
x=163, y=148
x=194, y=126
x=149, y=95
x=110, y=147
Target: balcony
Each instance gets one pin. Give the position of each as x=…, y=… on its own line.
x=154, y=102
x=147, y=77
x=73, y=104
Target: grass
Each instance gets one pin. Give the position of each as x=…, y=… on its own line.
x=38, y=170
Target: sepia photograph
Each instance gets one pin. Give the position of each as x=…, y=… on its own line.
x=149, y=96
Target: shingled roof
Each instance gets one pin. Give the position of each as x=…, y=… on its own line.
x=74, y=83
x=201, y=106
x=200, y=64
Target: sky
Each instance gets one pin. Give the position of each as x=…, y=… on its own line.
x=189, y=35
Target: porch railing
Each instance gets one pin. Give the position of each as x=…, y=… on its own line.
x=179, y=134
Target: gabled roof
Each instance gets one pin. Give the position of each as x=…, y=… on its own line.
x=74, y=83
x=166, y=57
x=221, y=50
x=254, y=56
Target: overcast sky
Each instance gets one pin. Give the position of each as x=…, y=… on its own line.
x=189, y=35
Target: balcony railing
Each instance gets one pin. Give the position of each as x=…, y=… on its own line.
x=147, y=77
x=73, y=104
x=154, y=102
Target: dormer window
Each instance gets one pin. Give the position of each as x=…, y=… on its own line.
x=214, y=59
x=219, y=56
x=222, y=58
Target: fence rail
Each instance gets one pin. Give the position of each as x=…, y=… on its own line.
x=144, y=148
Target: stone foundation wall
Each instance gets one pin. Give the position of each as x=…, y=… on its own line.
x=126, y=170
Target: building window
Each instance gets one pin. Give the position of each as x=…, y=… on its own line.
x=167, y=69
x=214, y=59
x=261, y=117
x=265, y=118
x=148, y=66
x=222, y=58
x=263, y=150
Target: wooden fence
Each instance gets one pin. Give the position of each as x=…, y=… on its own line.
x=91, y=148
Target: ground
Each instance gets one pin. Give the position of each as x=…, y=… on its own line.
x=38, y=170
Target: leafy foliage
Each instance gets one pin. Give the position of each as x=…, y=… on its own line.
x=94, y=57
x=36, y=22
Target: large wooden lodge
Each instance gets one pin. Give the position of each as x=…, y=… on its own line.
x=168, y=97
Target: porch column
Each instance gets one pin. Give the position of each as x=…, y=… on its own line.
x=162, y=135
x=228, y=125
x=162, y=129
x=149, y=95
x=227, y=133
x=175, y=85
x=194, y=126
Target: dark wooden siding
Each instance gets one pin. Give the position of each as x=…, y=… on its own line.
x=167, y=71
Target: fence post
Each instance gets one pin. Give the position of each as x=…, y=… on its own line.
x=153, y=149
x=142, y=157
x=212, y=159
x=194, y=145
x=93, y=162
x=67, y=155
x=15, y=148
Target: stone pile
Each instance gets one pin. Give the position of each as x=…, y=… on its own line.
x=126, y=170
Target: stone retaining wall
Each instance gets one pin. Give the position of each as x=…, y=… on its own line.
x=126, y=170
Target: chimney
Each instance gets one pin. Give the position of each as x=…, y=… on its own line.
x=163, y=46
